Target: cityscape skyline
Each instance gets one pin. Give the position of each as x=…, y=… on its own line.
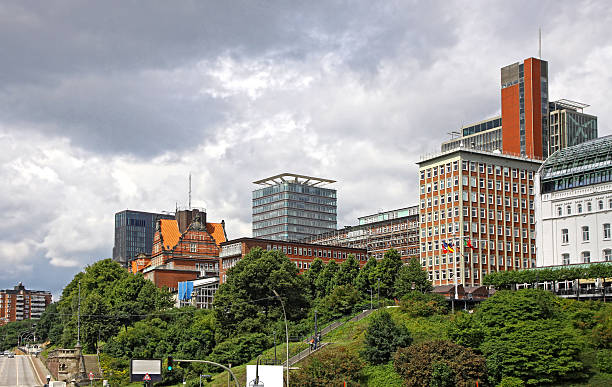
x=97, y=128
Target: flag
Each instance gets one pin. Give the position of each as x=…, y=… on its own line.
x=444, y=248
x=468, y=243
x=450, y=247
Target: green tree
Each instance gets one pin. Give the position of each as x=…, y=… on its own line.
x=49, y=326
x=245, y=303
x=442, y=375
x=416, y=364
x=339, y=303
x=508, y=307
x=240, y=349
x=412, y=277
x=366, y=279
x=386, y=272
x=383, y=337
x=466, y=330
x=329, y=367
x=347, y=272
x=417, y=304
x=311, y=275
x=325, y=281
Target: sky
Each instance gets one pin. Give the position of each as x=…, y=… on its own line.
x=106, y=106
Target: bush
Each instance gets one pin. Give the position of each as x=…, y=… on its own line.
x=383, y=337
x=416, y=364
x=240, y=349
x=442, y=375
x=340, y=302
x=417, y=304
x=329, y=367
x=510, y=381
x=604, y=361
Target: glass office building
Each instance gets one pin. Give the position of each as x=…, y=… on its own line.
x=134, y=232
x=292, y=207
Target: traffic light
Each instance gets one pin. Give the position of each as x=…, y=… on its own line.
x=170, y=363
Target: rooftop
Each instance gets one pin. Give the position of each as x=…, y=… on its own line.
x=590, y=155
x=293, y=178
x=462, y=148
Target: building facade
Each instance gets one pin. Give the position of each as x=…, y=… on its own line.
x=378, y=233
x=184, y=249
x=292, y=207
x=569, y=125
x=302, y=254
x=20, y=303
x=134, y=232
x=484, y=135
x=486, y=197
x=574, y=208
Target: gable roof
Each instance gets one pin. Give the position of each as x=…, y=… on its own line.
x=169, y=233
x=217, y=232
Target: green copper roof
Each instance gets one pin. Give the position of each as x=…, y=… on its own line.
x=588, y=156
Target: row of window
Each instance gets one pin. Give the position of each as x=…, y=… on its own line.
x=475, y=197
x=585, y=256
x=580, y=208
x=516, y=232
x=472, y=167
x=489, y=245
x=586, y=233
x=437, y=260
x=309, y=252
x=476, y=183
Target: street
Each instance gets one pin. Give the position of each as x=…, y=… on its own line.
x=18, y=371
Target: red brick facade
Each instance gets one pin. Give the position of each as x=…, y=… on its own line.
x=22, y=304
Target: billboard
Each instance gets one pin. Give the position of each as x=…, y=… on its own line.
x=139, y=368
x=269, y=375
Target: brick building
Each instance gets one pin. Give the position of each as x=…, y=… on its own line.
x=184, y=249
x=302, y=254
x=20, y=303
x=487, y=197
x=378, y=233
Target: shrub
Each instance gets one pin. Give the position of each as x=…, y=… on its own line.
x=416, y=364
x=383, y=337
x=604, y=361
x=329, y=367
x=511, y=381
x=417, y=304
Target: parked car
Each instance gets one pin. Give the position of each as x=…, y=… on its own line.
x=11, y=354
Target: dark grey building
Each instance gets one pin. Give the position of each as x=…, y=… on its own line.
x=134, y=232
x=569, y=125
x=292, y=207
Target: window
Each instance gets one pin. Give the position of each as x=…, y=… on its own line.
x=569, y=209
x=585, y=233
x=600, y=204
x=586, y=257
x=565, y=259
x=607, y=255
x=579, y=208
x=559, y=211
x=564, y=235
x=606, y=231
x=589, y=207
x=193, y=248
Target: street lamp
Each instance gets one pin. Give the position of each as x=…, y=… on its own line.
x=286, y=331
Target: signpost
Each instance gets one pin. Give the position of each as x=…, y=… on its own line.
x=145, y=368
x=91, y=378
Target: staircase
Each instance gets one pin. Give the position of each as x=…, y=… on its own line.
x=331, y=327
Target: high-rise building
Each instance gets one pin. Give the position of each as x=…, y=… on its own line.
x=134, y=232
x=20, y=303
x=524, y=107
x=529, y=124
x=569, y=125
x=574, y=205
x=292, y=207
x=486, y=198
x=378, y=233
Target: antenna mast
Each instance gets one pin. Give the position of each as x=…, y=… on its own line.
x=540, y=43
x=190, y=190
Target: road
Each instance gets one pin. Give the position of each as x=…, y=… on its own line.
x=18, y=371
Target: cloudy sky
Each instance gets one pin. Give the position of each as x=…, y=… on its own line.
x=108, y=106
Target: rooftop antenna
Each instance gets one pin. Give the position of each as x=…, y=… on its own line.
x=190, y=190
x=540, y=43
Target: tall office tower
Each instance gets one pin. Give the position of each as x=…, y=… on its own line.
x=574, y=205
x=524, y=106
x=292, y=207
x=20, y=303
x=569, y=125
x=486, y=198
x=134, y=231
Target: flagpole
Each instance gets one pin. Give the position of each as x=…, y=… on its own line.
x=455, y=273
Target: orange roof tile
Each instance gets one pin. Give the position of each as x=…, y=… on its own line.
x=170, y=233
x=217, y=232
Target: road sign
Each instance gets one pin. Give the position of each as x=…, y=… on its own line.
x=91, y=376
x=140, y=367
x=147, y=378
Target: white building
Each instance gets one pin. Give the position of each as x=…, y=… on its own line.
x=574, y=208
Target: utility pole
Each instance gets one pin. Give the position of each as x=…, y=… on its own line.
x=378, y=292
x=275, y=347
x=315, y=331
x=371, y=298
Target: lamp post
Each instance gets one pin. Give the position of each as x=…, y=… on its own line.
x=286, y=331
x=370, y=298
x=378, y=292
x=79, y=318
